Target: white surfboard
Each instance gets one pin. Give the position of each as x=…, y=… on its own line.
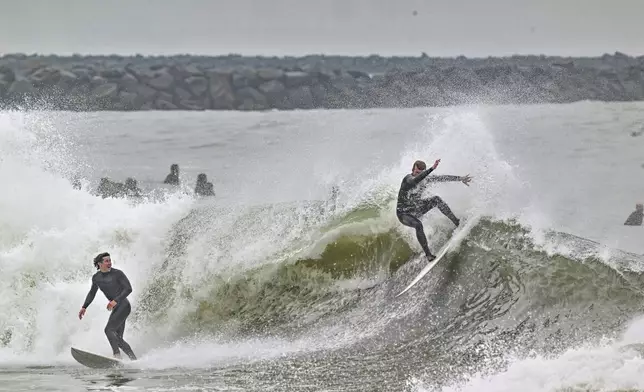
x=95, y=361
x=459, y=234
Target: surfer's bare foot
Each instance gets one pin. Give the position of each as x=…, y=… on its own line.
x=430, y=257
x=117, y=356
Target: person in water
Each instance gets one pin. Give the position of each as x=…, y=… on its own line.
x=173, y=177
x=116, y=287
x=203, y=187
x=411, y=206
x=636, y=217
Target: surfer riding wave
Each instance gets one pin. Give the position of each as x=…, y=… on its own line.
x=116, y=287
x=411, y=206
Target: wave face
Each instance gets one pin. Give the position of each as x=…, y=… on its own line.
x=313, y=280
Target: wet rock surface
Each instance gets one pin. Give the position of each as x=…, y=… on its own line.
x=88, y=83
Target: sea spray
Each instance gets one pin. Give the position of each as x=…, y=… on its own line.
x=277, y=282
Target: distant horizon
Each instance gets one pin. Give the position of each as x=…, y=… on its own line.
x=310, y=54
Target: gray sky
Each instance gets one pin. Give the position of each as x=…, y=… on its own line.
x=294, y=27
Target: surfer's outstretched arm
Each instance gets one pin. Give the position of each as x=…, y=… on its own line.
x=444, y=178
x=448, y=178
x=413, y=181
x=125, y=284
x=90, y=295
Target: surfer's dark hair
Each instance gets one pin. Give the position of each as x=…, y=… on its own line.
x=99, y=258
x=420, y=165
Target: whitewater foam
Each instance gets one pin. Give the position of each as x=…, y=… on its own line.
x=50, y=233
x=606, y=365
x=279, y=308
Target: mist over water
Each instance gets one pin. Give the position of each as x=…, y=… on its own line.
x=273, y=276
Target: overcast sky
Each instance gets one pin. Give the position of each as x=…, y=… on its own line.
x=294, y=27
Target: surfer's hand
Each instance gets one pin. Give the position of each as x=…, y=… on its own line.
x=81, y=313
x=111, y=305
x=436, y=164
x=465, y=180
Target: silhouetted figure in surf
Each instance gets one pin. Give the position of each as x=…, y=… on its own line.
x=411, y=206
x=210, y=189
x=636, y=217
x=116, y=287
x=203, y=187
x=131, y=188
x=173, y=177
x=107, y=188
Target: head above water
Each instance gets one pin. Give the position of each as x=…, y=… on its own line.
x=174, y=169
x=418, y=167
x=131, y=183
x=103, y=261
x=639, y=207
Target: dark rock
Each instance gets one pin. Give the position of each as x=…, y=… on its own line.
x=107, y=90
x=270, y=74
x=83, y=74
x=128, y=81
x=358, y=74
x=198, y=85
x=4, y=87
x=191, y=104
x=246, y=83
x=296, y=79
x=44, y=77
x=163, y=104
x=97, y=81
x=248, y=98
x=319, y=95
x=221, y=91
x=67, y=80
x=21, y=87
x=301, y=98
x=7, y=74
x=147, y=93
x=162, y=81
x=131, y=101
x=273, y=90
x=181, y=73
x=182, y=94
x=245, y=77
x=163, y=96
x=113, y=73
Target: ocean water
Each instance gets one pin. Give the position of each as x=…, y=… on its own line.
x=281, y=283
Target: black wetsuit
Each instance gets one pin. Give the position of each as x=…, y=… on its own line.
x=411, y=206
x=635, y=218
x=172, y=179
x=115, y=285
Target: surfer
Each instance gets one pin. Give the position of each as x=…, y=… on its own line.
x=116, y=287
x=411, y=206
x=173, y=177
x=636, y=217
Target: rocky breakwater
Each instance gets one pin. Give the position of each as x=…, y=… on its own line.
x=201, y=83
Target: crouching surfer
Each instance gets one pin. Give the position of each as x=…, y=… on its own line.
x=411, y=206
x=116, y=287
x=636, y=217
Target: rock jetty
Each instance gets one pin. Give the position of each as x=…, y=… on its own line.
x=93, y=83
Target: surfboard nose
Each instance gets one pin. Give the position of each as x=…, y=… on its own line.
x=94, y=361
